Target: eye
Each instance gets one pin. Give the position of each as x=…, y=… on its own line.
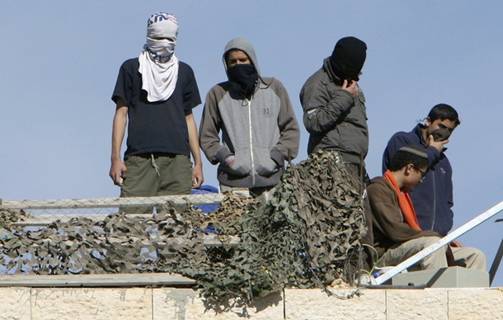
x=164, y=38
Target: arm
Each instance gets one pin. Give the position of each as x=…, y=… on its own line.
x=388, y=215
x=197, y=172
x=288, y=144
x=450, y=198
x=118, y=168
x=209, y=131
x=322, y=112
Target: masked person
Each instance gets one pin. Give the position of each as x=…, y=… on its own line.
x=256, y=120
x=334, y=111
x=397, y=231
x=154, y=97
x=433, y=199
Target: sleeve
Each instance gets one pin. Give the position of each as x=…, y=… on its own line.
x=288, y=144
x=321, y=112
x=399, y=140
x=450, y=199
x=388, y=215
x=191, y=97
x=123, y=86
x=209, y=130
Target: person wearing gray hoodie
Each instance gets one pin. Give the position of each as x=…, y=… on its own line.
x=259, y=131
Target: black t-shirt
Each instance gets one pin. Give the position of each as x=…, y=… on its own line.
x=156, y=127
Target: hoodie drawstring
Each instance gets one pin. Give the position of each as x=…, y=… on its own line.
x=154, y=164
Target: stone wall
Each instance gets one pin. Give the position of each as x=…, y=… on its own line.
x=183, y=304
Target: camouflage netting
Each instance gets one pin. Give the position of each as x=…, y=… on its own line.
x=301, y=237
x=9, y=216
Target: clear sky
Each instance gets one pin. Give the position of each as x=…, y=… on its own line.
x=60, y=61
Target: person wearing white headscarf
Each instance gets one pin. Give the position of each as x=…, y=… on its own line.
x=154, y=96
x=158, y=62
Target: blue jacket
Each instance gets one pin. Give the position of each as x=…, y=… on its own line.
x=433, y=197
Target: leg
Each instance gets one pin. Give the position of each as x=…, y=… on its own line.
x=394, y=256
x=356, y=176
x=175, y=175
x=472, y=258
x=140, y=180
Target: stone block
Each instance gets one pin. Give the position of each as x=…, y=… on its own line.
x=95, y=303
x=15, y=304
x=476, y=304
x=418, y=304
x=185, y=304
x=314, y=304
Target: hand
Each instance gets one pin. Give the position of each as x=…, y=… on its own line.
x=455, y=244
x=439, y=145
x=229, y=161
x=197, y=176
x=351, y=87
x=117, y=170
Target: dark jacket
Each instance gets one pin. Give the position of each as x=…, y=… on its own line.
x=389, y=226
x=433, y=197
x=333, y=117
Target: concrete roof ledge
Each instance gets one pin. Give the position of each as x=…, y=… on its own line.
x=182, y=303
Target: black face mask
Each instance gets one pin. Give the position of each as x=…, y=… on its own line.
x=348, y=58
x=244, y=78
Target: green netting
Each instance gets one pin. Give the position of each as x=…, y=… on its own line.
x=302, y=236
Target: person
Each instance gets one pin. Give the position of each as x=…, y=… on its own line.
x=154, y=96
x=397, y=232
x=335, y=114
x=258, y=125
x=433, y=199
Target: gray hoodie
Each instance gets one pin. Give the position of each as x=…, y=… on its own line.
x=261, y=132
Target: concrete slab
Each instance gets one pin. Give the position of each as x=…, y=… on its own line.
x=91, y=304
x=452, y=277
x=412, y=304
x=15, y=303
x=311, y=304
x=473, y=304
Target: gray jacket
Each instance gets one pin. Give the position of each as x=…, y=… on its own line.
x=333, y=117
x=261, y=132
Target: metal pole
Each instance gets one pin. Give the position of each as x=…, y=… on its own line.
x=442, y=242
x=496, y=263
x=111, y=202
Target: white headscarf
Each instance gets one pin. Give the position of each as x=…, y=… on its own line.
x=158, y=63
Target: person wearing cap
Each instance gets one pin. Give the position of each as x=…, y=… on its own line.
x=397, y=232
x=433, y=199
x=154, y=96
x=259, y=131
x=334, y=111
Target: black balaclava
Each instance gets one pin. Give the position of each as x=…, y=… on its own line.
x=244, y=78
x=348, y=58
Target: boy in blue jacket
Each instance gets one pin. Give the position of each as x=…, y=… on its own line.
x=433, y=198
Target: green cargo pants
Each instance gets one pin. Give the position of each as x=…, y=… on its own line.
x=150, y=175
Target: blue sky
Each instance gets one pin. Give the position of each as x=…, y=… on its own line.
x=60, y=61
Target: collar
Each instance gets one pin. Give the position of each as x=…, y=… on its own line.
x=328, y=69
